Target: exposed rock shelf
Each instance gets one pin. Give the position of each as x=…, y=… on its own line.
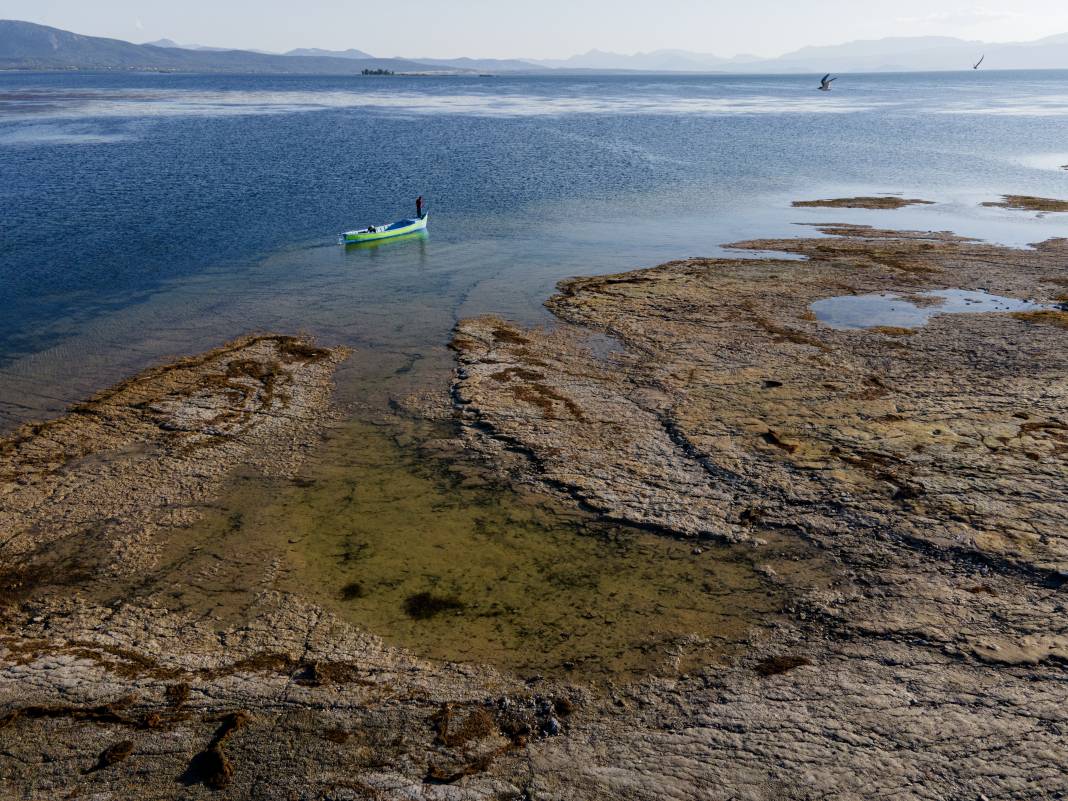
x=933, y=466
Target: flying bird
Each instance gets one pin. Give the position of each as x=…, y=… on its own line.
x=825, y=83
x=980, y=61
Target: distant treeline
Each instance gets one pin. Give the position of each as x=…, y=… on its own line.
x=378, y=72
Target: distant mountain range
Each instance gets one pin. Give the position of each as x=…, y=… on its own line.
x=25, y=45
x=316, y=52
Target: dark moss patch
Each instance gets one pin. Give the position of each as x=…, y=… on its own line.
x=339, y=736
x=211, y=767
x=563, y=706
x=425, y=605
x=1045, y=317
x=771, y=438
x=517, y=372
x=352, y=591
x=112, y=755
x=776, y=665
x=262, y=663
x=508, y=336
x=437, y=774
x=301, y=350
x=177, y=694
x=18, y=583
x=106, y=713
x=317, y=674
x=544, y=398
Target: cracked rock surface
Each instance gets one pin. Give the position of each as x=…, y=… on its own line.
x=930, y=464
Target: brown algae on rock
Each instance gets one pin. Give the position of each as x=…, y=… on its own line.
x=1029, y=203
x=882, y=202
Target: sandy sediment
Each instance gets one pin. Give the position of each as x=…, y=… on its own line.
x=880, y=202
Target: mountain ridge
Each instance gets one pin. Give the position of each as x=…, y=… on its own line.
x=29, y=46
x=25, y=45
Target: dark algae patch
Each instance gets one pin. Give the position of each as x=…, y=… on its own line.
x=425, y=605
x=777, y=665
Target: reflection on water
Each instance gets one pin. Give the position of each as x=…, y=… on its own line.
x=454, y=568
x=374, y=244
x=899, y=311
x=186, y=102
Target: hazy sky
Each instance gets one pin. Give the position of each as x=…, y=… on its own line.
x=542, y=29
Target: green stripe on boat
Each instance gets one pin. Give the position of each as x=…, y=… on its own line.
x=399, y=228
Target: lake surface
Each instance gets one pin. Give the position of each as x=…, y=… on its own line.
x=151, y=215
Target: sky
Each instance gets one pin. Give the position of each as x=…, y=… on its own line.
x=542, y=29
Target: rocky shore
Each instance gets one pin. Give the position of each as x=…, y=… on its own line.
x=928, y=463
x=924, y=467
x=879, y=202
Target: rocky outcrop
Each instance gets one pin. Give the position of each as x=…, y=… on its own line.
x=1029, y=203
x=87, y=492
x=930, y=464
x=881, y=202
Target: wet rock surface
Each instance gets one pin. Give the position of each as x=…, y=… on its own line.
x=931, y=468
x=1029, y=203
x=881, y=202
x=93, y=487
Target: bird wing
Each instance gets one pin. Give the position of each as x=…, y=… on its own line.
x=980, y=61
x=825, y=77
x=832, y=80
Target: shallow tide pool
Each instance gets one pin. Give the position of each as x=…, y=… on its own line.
x=451, y=566
x=894, y=310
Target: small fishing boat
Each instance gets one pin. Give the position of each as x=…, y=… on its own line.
x=373, y=233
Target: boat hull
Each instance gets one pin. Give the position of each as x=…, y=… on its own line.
x=399, y=228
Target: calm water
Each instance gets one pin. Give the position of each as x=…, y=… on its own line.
x=903, y=311
x=149, y=215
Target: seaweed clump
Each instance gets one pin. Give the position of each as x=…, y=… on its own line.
x=352, y=591
x=777, y=665
x=112, y=755
x=425, y=605
x=211, y=767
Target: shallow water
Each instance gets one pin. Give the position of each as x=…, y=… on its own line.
x=899, y=311
x=153, y=215
x=524, y=582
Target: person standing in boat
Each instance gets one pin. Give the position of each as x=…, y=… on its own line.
x=419, y=207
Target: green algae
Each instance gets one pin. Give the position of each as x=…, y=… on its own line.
x=433, y=557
